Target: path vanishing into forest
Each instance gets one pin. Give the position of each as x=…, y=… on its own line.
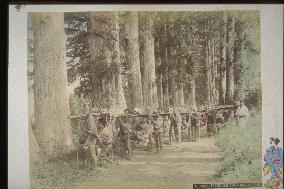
x=177, y=167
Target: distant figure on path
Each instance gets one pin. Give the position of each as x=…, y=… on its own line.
x=195, y=126
x=188, y=126
x=178, y=123
x=157, y=122
x=166, y=127
x=241, y=114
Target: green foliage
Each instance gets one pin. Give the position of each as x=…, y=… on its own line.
x=241, y=150
x=58, y=169
x=247, y=67
x=62, y=168
x=76, y=132
x=76, y=107
x=187, y=33
x=76, y=104
x=105, y=160
x=246, y=173
x=77, y=53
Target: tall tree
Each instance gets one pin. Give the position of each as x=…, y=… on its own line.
x=222, y=65
x=213, y=72
x=230, y=59
x=52, y=126
x=165, y=60
x=180, y=85
x=105, y=57
x=207, y=48
x=172, y=78
x=247, y=59
x=158, y=61
x=134, y=76
x=192, y=87
x=150, y=95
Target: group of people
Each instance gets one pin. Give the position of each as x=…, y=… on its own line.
x=170, y=126
x=160, y=126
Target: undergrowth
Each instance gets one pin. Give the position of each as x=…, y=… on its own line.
x=60, y=169
x=241, y=149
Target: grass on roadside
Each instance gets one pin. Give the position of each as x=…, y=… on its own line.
x=60, y=169
x=241, y=149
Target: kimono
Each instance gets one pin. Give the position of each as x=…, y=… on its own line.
x=274, y=164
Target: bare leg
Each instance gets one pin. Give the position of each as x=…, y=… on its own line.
x=189, y=134
x=161, y=140
x=192, y=133
x=196, y=128
x=170, y=136
x=150, y=144
x=198, y=131
x=179, y=134
x=128, y=147
x=93, y=155
x=215, y=128
x=156, y=135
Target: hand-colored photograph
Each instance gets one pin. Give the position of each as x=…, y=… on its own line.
x=157, y=99
x=164, y=99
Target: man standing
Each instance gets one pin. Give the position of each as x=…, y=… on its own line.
x=203, y=121
x=158, y=131
x=241, y=114
x=90, y=136
x=178, y=123
x=195, y=126
x=125, y=132
x=187, y=123
x=172, y=126
x=211, y=126
x=166, y=126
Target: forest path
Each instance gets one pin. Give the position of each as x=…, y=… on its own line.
x=177, y=167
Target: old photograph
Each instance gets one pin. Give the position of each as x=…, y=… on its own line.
x=147, y=99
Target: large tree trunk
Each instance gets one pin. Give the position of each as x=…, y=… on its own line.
x=160, y=85
x=149, y=63
x=181, y=94
x=158, y=60
x=191, y=86
x=174, y=89
x=192, y=94
x=207, y=74
x=165, y=61
x=213, y=74
x=222, y=65
x=119, y=93
x=238, y=50
x=53, y=129
x=171, y=79
x=134, y=77
x=145, y=70
x=183, y=62
x=229, y=61
x=210, y=63
x=165, y=81
x=105, y=54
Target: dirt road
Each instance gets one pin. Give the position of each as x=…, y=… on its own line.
x=177, y=167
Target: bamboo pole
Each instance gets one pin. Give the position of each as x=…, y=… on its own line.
x=77, y=116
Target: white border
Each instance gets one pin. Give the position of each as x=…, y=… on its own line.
x=271, y=58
